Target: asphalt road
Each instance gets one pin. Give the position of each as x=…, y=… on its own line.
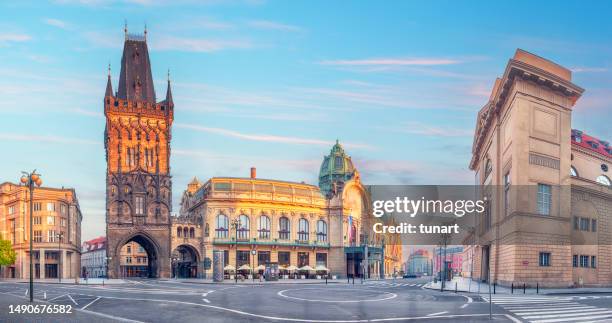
x=373, y=301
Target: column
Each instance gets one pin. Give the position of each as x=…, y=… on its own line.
x=64, y=264
x=41, y=261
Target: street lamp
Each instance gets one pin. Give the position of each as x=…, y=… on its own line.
x=59, y=237
x=30, y=180
x=253, y=253
x=236, y=225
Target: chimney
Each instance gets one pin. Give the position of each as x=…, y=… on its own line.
x=253, y=172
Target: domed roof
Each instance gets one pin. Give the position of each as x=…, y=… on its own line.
x=337, y=167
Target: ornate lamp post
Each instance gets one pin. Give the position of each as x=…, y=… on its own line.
x=236, y=225
x=30, y=180
x=59, y=237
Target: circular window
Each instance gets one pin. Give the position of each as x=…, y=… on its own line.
x=604, y=167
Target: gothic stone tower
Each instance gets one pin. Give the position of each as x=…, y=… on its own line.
x=137, y=143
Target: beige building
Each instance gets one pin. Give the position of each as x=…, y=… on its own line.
x=551, y=221
x=256, y=221
x=133, y=260
x=56, y=232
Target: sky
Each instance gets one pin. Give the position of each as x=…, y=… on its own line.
x=273, y=84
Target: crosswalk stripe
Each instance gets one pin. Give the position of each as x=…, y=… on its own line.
x=593, y=312
x=588, y=309
x=547, y=308
x=582, y=318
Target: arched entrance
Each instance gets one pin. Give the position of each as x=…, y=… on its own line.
x=185, y=261
x=138, y=257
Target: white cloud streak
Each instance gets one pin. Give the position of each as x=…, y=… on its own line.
x=47, y=139
x=272, y=25
x=424, y=61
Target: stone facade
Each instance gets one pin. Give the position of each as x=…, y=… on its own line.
x=56, y=211
x=137, y=142
x=546, y=179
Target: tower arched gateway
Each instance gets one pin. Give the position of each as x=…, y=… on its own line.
x=137, y=142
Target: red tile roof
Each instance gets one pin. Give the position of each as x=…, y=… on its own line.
x=599, y=146
x=95, y=244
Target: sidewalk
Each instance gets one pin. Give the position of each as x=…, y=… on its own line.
x=262, y=282
x=462, y=284
x=82, y=281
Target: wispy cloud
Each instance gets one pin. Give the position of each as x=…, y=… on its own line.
x=264, y=137
x=56, y=23
x=273, y=25
x=435, y=131
x=47, y=139
x=423, y=61
x=88, y=113
x=589, y=69
x=6, y=38
x=198, y=44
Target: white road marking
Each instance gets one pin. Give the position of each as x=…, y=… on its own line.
x=54, y=298
x=84, y=307
x=72, y=299
x=439, y=313
x=282, y=294
x=465, y=305
x=205, y=300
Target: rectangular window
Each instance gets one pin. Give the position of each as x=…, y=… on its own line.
x=284, y=258
x=584, y=224
x=575, y=261
x=37, y=206
x=263, y=257
x=63, y=222
x=507, y=192
x=128, y=260
x=51, y=236
x=139, y=205
x=303, y=259
x=225, y=258
x=51, y=207
x=322, y=259
x=576, y=223
x=584, y=261
x=36, y=220
x=544, y=199
x=38, y=236
x=63, y=209
x=50, y=220
x=11, y=210
x=242, y=258
x=593, y=225
x=544, y=259
x=593, y=262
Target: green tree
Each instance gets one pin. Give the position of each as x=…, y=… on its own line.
x=7, y=254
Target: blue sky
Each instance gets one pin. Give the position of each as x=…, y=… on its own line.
x=272, y=84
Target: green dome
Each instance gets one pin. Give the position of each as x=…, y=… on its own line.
x=337, y=167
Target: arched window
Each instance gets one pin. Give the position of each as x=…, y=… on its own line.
x=264, y=227
x=321, y=230
x=303, y=230
x=243, y=229
x=186, y=232
x=604, y=180
x=222, y=226
x=573, y=172
x=192, y=233
x=206, y=230
x=179, y=231
x=284, y=228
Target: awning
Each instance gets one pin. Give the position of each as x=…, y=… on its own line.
x=244, y=267
x=260, y=267
x=321, y=268
x=307, y=268
x=292, y=268
x=229, y=268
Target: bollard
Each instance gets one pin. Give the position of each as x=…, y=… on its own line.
x=512, y=288
x=494, y=286
x=523, y=288
x=537, y=288
x=455, y=287
x=353, y=279
x=326, y=279
x=348, y=279
x=45, y=295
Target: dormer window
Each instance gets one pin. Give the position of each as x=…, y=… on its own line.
x=593, y=144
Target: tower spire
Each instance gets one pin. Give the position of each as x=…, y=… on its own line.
x=125, y=30
x=169, y=91
x=109, y=86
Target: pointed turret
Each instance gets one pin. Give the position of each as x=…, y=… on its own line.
x=169, y=92
x=135, y=79
x=109, y=85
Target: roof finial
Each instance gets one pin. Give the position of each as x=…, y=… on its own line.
x=168, y=75
x=109, y=69
x=125, y=30
x=145, y=32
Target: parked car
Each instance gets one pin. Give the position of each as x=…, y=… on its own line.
x=410, y=276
